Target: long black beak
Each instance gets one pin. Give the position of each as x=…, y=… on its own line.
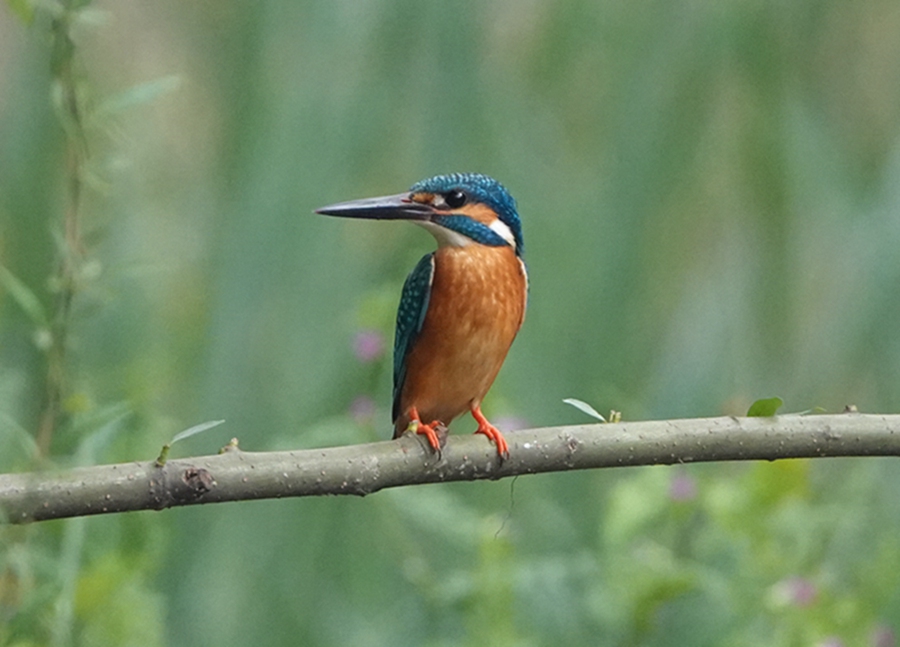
x=389, y=207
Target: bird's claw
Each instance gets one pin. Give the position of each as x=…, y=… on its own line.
x=489, y=430
x=494, y=434
x=435, y=433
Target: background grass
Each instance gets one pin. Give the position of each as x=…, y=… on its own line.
x=711, y=201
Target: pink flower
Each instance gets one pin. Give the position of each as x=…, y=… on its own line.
x=368, y=345
x=882, y=636
x=362, y=409
x=797, y=591
x=831, y=641
x=510, y=423
x=682, y=487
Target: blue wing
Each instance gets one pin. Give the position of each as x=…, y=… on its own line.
x=410, y=317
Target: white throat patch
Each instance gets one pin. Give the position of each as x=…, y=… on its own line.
x=445, y=237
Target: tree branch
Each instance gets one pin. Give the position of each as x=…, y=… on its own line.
x=236, y=475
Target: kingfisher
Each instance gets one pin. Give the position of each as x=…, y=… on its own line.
x=462, y=305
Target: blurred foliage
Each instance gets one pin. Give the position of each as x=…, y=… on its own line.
x=711, y=200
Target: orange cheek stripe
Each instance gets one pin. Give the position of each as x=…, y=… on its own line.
x=483, y=214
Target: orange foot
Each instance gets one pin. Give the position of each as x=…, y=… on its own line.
x=489, y=430
x=434, y=432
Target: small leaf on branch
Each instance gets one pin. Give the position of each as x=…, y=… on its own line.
x=187, y=433
x=584, y=407
x=196, y=429
x=765, y=408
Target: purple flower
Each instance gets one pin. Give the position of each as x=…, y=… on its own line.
x=683, y=487
x=882, y=636
x=368, y=345
x=510, y=423
x=362, y=409
x=797, y=591
x=831, y=641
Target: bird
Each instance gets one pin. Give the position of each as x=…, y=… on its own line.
x=461, y=306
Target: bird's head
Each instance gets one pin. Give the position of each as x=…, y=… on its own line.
x=458, y=209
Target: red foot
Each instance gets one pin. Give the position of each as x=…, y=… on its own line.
x=429, y=431
x=489, y=430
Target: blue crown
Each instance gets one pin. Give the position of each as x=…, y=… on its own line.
x=480, y=188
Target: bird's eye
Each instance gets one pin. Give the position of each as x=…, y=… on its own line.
x=455, y=199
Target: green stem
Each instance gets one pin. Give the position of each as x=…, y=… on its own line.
x=71, y=250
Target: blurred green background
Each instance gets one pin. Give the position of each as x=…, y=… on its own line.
x=710, y=194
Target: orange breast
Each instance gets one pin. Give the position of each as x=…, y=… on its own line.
x=476, y=307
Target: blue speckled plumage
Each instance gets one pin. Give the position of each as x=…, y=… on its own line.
x=410, y=316
x=481, y=188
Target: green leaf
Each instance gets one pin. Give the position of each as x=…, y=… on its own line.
x=187, y=433
x=138, y=95
x=586, y=408
x=23, y=295
x=196, y=429
x=765, y=408
x=104, y=424
x=15, y=441
x=23, y=9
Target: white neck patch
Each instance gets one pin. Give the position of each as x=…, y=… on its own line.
x=502, y=229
